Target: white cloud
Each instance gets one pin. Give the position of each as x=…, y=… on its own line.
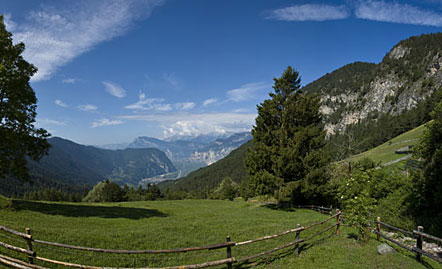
x=105, y=122
x=70, y=80
x=190, y=124
x=163, y=107
x=209, y=101
x=54, y=37
x=185, y=106
x=114, y=89
x=60, y=103
x=87, y=107
x=44, y=122
x=397, y=13
x=246, y=91
x=149, y=104
x=310, y=12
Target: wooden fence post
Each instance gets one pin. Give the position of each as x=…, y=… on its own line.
x=378, y=228
x=296, y=239
x=338, y=221
x=229, y=253
x=29, y=243
x=419, y=242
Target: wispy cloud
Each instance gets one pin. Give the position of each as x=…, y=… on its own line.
x=45, y=122
x=70, y=80
x=172, y=80
x=149, y=104
x=105, y=122
x=87, y=107
x=210, y=101
x=10, y=25
x=60, y=103
x=246, y=91
x=397, y=13
x=54, y=37
x=114, y=89
x=184, y=123
x=185, y=106
x=310, y=12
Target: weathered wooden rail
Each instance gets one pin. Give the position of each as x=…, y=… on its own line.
x=418, y=234
x=228, y=245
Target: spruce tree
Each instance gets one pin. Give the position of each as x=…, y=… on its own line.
x=289, y=158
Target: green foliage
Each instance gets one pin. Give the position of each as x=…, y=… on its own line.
x=107, y=191
x=5, y=203
x=289, y=157
x=357, y=202
x=19, y=137
x=427, y=183
x=227, y=189
x=369, y=192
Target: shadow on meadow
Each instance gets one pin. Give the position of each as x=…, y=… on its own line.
x=275, y=206
x=70, y=210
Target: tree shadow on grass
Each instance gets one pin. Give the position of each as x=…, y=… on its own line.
x=70, y=210
x=278, y=207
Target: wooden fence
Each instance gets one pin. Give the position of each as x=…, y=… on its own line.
x=228, y=245
x=418, y=234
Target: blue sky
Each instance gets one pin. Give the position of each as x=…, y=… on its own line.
x=111, y=70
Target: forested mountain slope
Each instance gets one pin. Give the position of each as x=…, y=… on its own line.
x=366, y=104
x=71, y=164
x=201, y=181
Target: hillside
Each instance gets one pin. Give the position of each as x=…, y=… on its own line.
x=70, y=165
x=386, y=153
x=367, y=104
x=201, y=181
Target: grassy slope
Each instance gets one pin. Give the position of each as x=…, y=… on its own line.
x=385, y=152
x=175, y=224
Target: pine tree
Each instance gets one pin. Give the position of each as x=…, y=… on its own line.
x=289, y=157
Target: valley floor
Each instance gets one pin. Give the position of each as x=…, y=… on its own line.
x=188, y=223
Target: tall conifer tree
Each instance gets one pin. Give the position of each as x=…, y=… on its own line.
x=289, y=157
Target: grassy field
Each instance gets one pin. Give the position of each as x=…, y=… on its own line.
x=385, y=152
x=176, y=224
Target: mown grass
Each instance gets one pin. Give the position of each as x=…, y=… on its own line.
x=385, y=152
x=177, y=224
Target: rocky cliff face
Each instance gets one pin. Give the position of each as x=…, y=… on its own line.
x=407, y=75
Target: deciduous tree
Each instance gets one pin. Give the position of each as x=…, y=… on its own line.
x=18, y=135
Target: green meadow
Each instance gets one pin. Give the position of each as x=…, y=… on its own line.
x=188, y=223
x=386, y=152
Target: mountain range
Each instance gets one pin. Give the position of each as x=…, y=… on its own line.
x=363, y=106
x=74, y=164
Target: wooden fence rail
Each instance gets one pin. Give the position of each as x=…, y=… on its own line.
x=229, y=261
x=418, y=234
